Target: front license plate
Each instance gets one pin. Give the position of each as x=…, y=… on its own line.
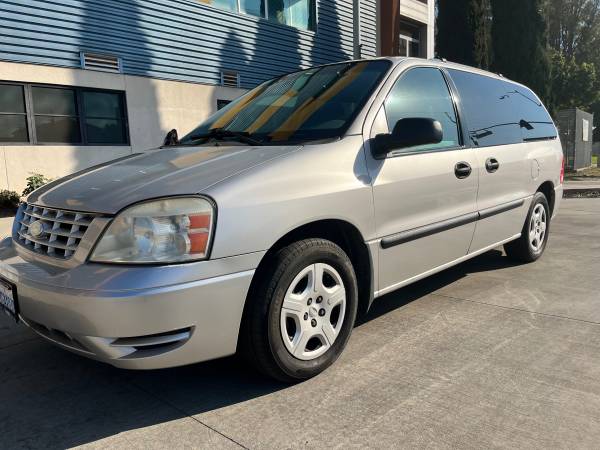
x=8, y=299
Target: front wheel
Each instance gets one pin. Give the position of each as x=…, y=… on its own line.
x=534, y=236
x=302, y=313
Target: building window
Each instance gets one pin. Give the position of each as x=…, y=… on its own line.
x=105, y=119
x=56, y=117
x=410, y=40
x=62, y=115
x=13, y=118
x=295, y=13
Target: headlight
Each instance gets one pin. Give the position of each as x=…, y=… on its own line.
x=159, y=231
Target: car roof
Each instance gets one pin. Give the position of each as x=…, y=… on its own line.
x=396, y=60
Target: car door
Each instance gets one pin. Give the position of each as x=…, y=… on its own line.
x=489, y=109
x=424, y=197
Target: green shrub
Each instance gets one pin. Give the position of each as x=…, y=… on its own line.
x=9, y=199
x=36, y=180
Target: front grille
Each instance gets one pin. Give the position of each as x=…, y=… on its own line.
x=61, y=231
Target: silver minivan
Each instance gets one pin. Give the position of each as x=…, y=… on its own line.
x=268, y=228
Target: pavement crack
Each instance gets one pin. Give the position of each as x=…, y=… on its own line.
x=186, y=414
x=556, y=316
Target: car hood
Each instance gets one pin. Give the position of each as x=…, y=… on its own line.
x=111, y=187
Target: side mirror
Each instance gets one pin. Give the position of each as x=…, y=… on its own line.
x=171, y=138
x=408, y=133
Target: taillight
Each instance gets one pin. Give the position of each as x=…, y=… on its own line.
x=562, y=170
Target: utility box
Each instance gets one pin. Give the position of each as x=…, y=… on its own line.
x=576, y=128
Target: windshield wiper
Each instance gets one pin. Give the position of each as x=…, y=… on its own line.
x=221, y=134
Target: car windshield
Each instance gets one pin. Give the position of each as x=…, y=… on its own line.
x=314, y=104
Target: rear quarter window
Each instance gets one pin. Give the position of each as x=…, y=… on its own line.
x=499, y=112
x=533, y=117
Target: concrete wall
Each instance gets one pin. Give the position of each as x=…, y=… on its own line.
x=154, y=107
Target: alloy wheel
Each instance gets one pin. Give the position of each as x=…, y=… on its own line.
x=537, y=227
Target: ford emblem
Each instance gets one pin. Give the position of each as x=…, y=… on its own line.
x=37, y=229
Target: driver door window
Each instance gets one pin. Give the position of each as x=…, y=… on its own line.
x=423, y=93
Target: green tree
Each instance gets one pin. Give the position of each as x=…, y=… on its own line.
x=464, y=31
x=574, y=35
x=520, y=43
x=574, y=28
x=574, y=85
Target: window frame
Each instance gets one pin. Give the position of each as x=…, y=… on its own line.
x=238, y=11
x=81, y=116
x=460, y=125
x=26, y=114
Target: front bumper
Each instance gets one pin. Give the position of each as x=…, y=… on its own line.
x=134, y=317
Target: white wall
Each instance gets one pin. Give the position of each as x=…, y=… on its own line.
x=154, y=107
x=425, y=14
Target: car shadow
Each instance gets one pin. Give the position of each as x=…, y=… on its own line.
x=487, y=262
x=52, y=398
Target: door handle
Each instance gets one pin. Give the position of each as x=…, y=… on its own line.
x=462, y=170
x=492, y=165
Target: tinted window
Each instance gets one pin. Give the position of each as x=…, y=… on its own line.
x=489, y=108
x=56, y=118
x=56, y=129
x=104, y=117
x=67, y=115
x=13, y=120
x=423, y=92
x=13, y=128
x=535, y=121
x=11, y=99
x=54, y=101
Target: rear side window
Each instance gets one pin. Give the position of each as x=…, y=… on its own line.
x=533, y=117
x=489, y=107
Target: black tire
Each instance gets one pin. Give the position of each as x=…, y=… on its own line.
x=522, y=250
x=261, y=341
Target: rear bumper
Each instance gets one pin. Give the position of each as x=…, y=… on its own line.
x=558, y=195
x=135, y=317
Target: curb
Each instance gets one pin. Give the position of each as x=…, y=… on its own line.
x=582, y=193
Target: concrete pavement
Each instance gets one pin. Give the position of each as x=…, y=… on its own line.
x=6, y=224
x=487, y=354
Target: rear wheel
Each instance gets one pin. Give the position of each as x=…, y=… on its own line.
x=301, y=315
x=534, y=236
